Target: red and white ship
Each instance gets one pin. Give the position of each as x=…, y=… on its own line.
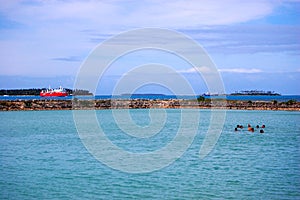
x=58, y=92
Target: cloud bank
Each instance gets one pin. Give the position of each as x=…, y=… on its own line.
x=241, y=70
x=126, y=13
x=42, y=38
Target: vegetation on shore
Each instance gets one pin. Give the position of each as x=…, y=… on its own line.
x=36, y=92
x=255, y=92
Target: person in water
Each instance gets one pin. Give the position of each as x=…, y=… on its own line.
x=261, y=131
x=249, y=127
x=263, y=126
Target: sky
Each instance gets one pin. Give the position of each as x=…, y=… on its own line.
x=255, y=45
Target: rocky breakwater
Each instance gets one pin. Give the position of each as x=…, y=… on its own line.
x=290, y=105
x=35, y=105
x=144, y=104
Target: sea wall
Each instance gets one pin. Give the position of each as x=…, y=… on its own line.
x=144, y=104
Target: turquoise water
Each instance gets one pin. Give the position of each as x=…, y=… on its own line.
x=42, y=157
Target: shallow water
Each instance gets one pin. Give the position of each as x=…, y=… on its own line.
x=42, y=157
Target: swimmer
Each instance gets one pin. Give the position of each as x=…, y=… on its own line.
x=261, y=131
x=263, y=126
x=252, y=130
x=257, y=126
x=235, y=129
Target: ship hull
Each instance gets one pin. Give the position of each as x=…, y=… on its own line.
x=54, y=94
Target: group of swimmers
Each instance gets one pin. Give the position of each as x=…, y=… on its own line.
x=250, y=128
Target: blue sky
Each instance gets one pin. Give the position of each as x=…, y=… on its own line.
x=254, y=44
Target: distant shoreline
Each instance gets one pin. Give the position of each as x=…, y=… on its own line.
x=154, y=95
x=78, y=104
x=280, y=98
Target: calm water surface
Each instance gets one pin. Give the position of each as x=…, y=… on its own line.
x=42, y=157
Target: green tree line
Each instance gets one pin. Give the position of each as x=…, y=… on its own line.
x=36, y=92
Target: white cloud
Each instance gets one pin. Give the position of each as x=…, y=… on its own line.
x=241, y=70
x=205, y=69
x=47, y=30
x=120, y=13
x=202, y=69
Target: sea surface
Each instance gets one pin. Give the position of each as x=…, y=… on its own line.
x=42, y=157
x=281, y=98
